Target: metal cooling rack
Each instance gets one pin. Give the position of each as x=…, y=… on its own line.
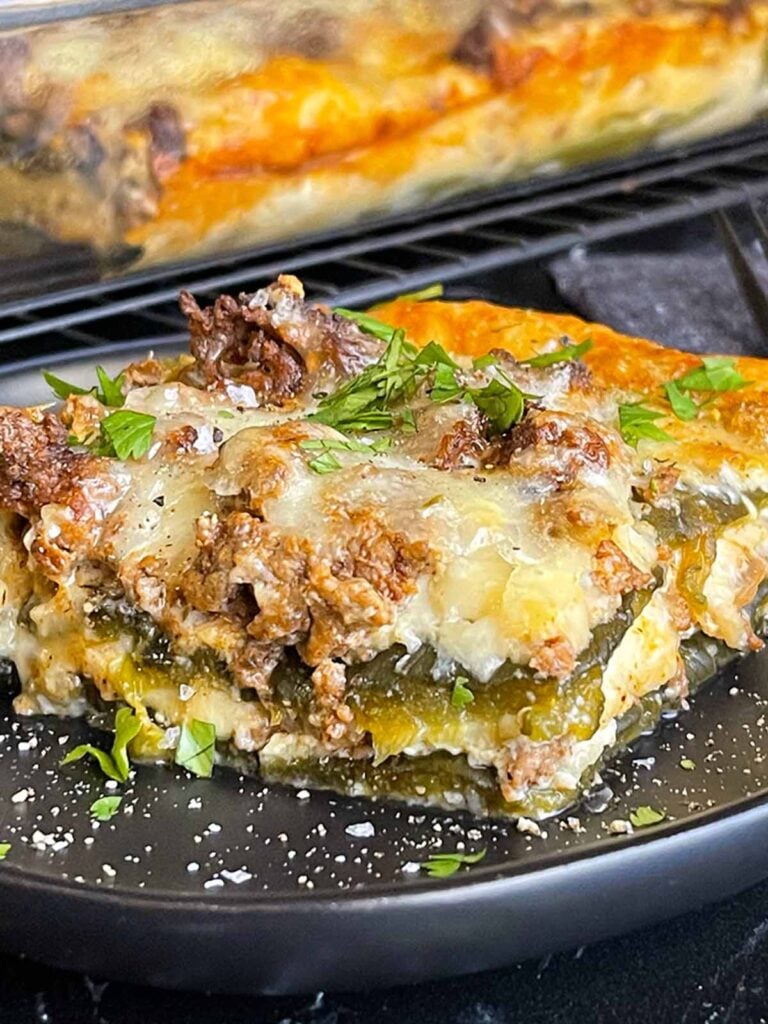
x=364, y=264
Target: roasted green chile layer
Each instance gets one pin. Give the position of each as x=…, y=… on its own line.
x=449, y=781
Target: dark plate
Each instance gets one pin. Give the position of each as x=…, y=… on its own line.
x=229, y=885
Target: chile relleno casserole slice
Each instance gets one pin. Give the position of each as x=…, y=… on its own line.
x=447, y=552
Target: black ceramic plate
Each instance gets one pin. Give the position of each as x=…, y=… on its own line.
x=226, y=884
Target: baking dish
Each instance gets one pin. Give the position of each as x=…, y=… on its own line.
x=158, y=132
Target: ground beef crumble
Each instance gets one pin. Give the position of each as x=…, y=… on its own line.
x=289, y=591
x=275, y=342
x=37, y=466
x=558, y=447
x=526, y=763
x=462, y=446
x=331, y=715
x=615, y=573
x=554, y=658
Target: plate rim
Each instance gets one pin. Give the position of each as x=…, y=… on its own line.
x=481, y=875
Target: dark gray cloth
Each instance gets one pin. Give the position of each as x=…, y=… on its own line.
x=684, y=300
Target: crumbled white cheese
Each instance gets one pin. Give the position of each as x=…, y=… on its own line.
x=528, y=827
x=620, y=827
x=237, y=877
x=361, y=830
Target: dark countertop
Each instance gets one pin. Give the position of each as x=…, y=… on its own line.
x=709, y=967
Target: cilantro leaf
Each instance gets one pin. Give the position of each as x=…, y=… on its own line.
x=364, y=403
x=432, y=291
x=368, y=402
x=110, y=391
x=367, y=323
x=115, y=765
x=104, y=759
x=501, y=401
x=127, y=434
x=445, y=387
x=683, y=406
x=346, y=444
x=62, y=388
x=434, y=355
x=561, y=355
x=127, y=728
x=642, y=817
x=196, y=749
x=5, y=849
x=106, y=807
x=407, y=421
x=481, y=362
x=636, y=421
x=443, y=865
x=461, y=694
x=333, y=444
x=716, y=373
x=325, y=463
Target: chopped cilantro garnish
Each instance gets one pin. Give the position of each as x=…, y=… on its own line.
x=461, y=695
x=561, y=355
x=126, y=434
x=5, y=849
x=369, y=402
x=365, y=402
x=432, y=291
x=346, y=444
x=114, y=764
x=225, y=414
x=481, y=362
x=445, y=387
x=683, y=406
x=434, y=355
x=407, y=421
x=62, y=388
x=106, y=807
x=104, y=759
x=716, y=373
x=642, y=817
x=636, y=421
x=127, y=728
x=366, y=323
x=501, y=401
x=109, y=391
x=325, y=463
x=443, y=865
x=333, y=444
x=196, y=749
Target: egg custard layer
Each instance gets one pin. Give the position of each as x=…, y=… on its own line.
x=451, y=553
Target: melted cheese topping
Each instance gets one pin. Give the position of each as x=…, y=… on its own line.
x=487, y=567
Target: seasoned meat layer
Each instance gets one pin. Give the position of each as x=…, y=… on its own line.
x=275, y=342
